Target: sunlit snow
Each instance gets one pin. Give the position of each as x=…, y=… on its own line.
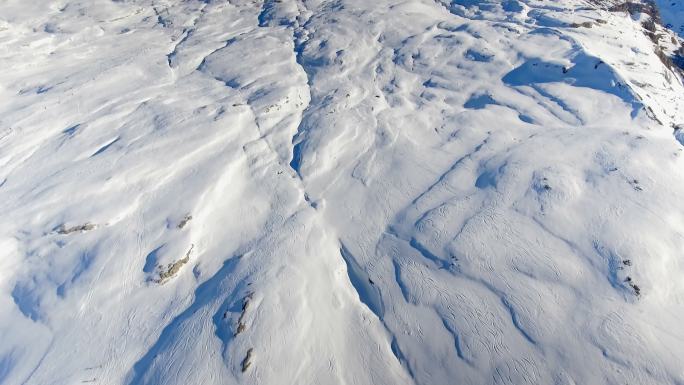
x=362, y=192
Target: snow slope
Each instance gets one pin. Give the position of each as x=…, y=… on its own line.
x=338, y=192
x=672, y=12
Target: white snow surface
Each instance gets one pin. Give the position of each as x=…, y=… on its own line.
x=338, y=192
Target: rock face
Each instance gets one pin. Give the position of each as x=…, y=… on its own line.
x=341, y=192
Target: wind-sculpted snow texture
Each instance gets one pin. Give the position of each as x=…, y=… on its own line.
x=338, y=192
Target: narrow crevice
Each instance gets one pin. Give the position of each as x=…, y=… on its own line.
x=362, y=283
x=399, y=355
x=516, y=321
x=171, y=56
x=299, y=41
x=457, y=340
x=370, y=295
x=427, y=254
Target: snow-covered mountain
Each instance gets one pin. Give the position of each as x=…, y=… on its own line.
x=341, y=192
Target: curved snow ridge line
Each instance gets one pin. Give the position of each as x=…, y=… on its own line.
x=293, y=16
x=277, y=104
x=186, y=34
x=370, y=295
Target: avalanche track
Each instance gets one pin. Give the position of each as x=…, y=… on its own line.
x=341, y=192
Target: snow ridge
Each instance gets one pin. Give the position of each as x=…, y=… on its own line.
x=334, y=192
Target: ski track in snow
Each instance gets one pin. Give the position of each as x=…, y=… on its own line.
x=338, y=192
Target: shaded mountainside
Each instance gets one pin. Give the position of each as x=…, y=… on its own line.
x=341, y=192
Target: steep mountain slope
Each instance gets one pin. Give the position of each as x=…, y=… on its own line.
x=340, y=192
